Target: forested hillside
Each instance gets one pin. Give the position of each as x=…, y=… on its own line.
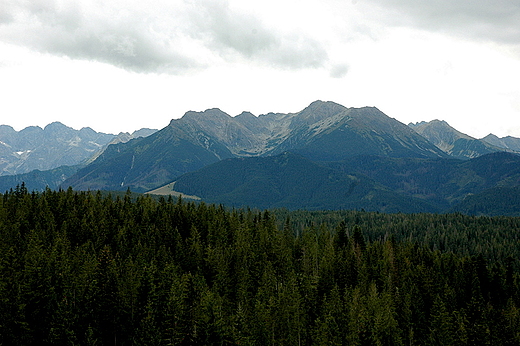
x=292, y=181
x=372, y=183
x=86, y=268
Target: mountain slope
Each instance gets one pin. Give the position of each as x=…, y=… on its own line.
x=359, y=131
x=122, y=137
x=452, y=142
x=145, y=163
x=491, y=202
x=441, y=182
x=324, y=131
x=371, y=182
x=291, y=181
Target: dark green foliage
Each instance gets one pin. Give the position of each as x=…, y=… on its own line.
x=87, y=268
x=486, y=185
x=492, y=202
x=440, y=182
x=496, y=238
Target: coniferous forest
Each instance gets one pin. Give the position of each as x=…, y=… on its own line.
x=86, y=268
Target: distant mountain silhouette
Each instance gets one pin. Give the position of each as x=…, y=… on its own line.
x=34, y=148
x=43, y=149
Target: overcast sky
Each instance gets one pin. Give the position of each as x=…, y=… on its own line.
x=123, y=65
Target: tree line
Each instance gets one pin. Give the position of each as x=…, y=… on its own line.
x=86, y=268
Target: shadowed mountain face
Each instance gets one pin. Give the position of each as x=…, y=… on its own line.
x=291, y=181
x=377, y=183
x=324, y=131
x=145, y=163
x=441, y=182
x=452, y=142
x=37, y=180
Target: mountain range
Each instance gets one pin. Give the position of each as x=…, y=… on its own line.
x=47, y=156
x=43, y=149
x=34, y=148
x=326, y=156
x=324, y=131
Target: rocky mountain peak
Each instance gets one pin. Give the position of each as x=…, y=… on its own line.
x=245, y=114
x=56, y=125
x=508, y=142
x=440, y=133
x=317, y=111
x=452, y=141
x=208, y=114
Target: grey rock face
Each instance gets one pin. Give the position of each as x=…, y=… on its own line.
x=53, y=146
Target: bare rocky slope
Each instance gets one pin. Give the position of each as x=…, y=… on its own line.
x=453, y=142
x=509, y=142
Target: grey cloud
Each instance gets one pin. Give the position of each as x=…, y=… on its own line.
x=129, y=48
x=339, y=70
x=127, y=41
x=298, y=52
x=229, y=32
x=5, y=18
x=215, y=23
x=155, y=39
x=496, y=20
x=5, y=13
